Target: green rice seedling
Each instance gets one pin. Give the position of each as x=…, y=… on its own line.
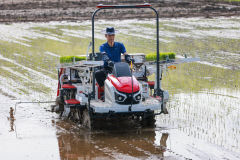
x=163, y=56
x=69, y=59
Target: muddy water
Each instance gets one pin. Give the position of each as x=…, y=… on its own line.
x=204, y=113
x=111, y=144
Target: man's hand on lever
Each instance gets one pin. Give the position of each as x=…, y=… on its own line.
x=105, y=57
x=108, y=64
x=128, y=59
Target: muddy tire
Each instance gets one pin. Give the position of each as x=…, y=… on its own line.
x=86, y=119
x=76, y=115
x=164, y=109
x=149, y=121
x=59, y=103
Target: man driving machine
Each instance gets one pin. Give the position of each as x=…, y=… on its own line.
x=112, y=50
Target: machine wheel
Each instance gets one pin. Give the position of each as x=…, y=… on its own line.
x=75, y=115
x=164, y=109
x=58, y=107
x=59, y=103
x=86, y=120
x=149, y=121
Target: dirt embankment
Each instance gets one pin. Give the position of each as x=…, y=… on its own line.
x=48, y=10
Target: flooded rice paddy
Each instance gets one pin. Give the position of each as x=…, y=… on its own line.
x=204, y=108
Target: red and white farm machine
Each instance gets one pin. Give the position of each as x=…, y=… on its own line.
x=127, y=94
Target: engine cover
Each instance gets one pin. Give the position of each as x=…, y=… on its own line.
x=124, y=84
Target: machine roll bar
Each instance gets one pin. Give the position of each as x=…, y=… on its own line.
x=124, y=6
x=157, y=90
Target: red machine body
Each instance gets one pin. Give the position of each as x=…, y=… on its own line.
x=124, y=84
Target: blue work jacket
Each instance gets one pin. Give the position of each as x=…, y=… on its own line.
x=114, y=53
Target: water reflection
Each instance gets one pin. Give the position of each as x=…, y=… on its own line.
x=212, y=118
x=111, y=144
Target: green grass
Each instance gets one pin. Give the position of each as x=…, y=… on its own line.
x=185, y=77
x=197, y=77
x=68, y=59
x=163, y=56
x=17, y=81
x=32, y=57
x=136, y=44
x=48, y=30
x=149, y=57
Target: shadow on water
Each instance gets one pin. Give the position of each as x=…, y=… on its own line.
x=112, y=143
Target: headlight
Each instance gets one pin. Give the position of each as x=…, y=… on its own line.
x=120, y=97
x=138, y=97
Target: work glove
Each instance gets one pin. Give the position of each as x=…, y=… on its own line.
x=109, y=67
x=110, y=64
x=128, y=59
x=105, y=57
x=107, y=70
